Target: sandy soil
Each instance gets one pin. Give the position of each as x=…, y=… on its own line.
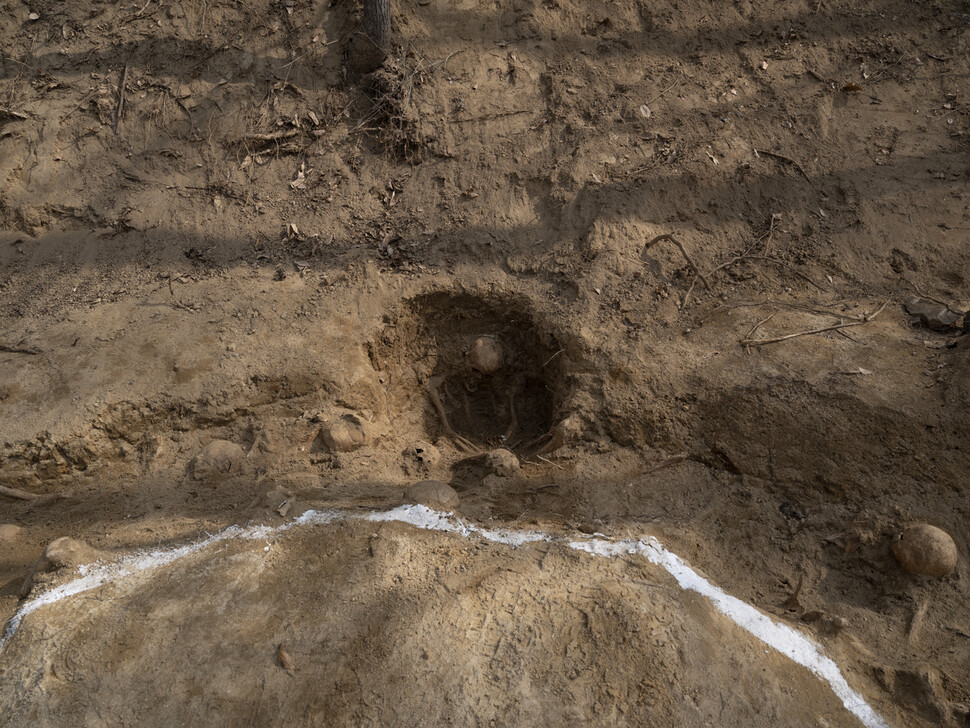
x=262, y=242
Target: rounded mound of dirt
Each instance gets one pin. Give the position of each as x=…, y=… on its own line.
x=385, y=624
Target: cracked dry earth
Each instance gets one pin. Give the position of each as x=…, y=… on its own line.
x=261, y=295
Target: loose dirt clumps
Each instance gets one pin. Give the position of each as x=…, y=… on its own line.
x=502, y=462
x=217, y=460
x=345, y=435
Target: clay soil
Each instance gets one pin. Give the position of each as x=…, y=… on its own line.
x=263, y=239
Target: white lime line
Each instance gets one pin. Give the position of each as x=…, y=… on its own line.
x=788, y=641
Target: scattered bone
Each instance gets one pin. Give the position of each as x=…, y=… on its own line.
x=565, y=432
x=434, y=494
x=216, y=460
x=280, y=500
x=345, y=435
x=502, y=462
x=925, y=549
x=434, y=385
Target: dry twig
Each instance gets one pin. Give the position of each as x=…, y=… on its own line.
x=836, y=327
x=746, y=255
x=783, y=158
x=274, y=137
x=18, y=349
x=672, y=460
x=683, y=250
x=121, y=95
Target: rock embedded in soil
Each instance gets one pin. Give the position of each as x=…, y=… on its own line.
x=926, y=549
x=10, y=534
x=64, y=552
x=434, y=494
x=485, y=355
x=217, y=460
x=502, y=462
x=345, y=435
x=423, y=453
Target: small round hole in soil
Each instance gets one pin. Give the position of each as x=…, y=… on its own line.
x=494, y=373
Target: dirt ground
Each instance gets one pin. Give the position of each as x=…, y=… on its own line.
x=259, y=241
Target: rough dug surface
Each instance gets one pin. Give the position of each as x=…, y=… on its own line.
x=255, y=243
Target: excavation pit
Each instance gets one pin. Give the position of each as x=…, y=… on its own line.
x=476, y=370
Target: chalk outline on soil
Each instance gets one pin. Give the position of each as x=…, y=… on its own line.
x=786, y=640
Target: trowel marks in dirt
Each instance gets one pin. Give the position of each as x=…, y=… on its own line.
x=784, y=639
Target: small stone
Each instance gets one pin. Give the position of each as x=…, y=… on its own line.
x=67, y=552
x=926, y=549
x=502, y=462
x=64, y=552
x=10, y=534
x=423, y=453
x=434, y=494
x=345, y=435
x=216, y=460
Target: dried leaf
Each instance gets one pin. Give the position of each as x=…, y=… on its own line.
x=851, y=88
x=284, y=657
x=645, y=112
